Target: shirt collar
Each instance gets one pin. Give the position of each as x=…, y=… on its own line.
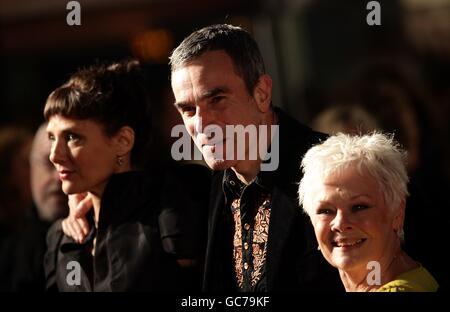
x=232, y=186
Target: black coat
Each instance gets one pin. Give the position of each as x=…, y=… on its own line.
x=129, y=251
x=293, y=262
x=21, y=256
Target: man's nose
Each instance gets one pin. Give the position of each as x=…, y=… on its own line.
x=341, y=222
x=203, y=118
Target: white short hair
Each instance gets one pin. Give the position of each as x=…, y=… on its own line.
x=376, y=154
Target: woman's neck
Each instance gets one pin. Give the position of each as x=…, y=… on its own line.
x=356, y=281
x=390, y=267
x=97, y=192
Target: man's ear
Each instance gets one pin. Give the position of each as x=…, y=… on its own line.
x=399, y=217
x=124, y=140
x=263, y=93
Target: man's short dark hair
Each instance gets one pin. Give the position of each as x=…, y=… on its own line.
x=235, y=41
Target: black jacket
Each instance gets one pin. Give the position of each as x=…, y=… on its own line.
x=129, y=254
x=21, y=256
x=293, y=262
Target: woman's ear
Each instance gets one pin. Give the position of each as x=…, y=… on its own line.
x=399, y=217
x=263, y=93
x=124, y=140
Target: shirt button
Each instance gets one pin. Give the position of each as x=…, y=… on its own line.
x=232, y=183
x=245, y=245
x=245, y=265
x=247, y=226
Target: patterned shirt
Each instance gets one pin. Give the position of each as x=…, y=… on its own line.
x=250, y=206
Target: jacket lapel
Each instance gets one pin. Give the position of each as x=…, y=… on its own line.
x=282, y=216
x=213, y=263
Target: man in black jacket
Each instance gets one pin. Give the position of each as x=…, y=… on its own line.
x=258, y=238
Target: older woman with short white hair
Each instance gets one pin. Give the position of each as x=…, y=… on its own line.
x=354, y=189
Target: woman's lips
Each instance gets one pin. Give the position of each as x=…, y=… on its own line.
x=348, y=244
x=65, y=174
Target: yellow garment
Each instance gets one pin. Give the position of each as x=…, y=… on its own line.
x=416, y=280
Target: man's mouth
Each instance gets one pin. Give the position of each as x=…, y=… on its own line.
x=214, y=143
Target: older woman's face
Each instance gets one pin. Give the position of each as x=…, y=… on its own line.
x=352, y=222
x=83, y=155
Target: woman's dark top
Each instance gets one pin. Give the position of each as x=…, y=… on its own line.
x=129, y=255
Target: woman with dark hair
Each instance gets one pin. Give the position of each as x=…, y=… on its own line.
x=98, y=126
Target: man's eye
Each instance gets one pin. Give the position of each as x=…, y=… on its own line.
x=72, y=137
x=217, y=99
x=359, y=207
x=51, y=137
x=188, y=110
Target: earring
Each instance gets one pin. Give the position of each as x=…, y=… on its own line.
x=119, y=160
x=400, y=234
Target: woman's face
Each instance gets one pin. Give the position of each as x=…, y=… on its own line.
x=352, y=222
x=83, y=155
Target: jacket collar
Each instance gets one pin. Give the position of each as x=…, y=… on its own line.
x=124, y=195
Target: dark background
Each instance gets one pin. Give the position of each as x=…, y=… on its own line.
x=319, y=53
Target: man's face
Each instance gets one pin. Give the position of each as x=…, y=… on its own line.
x=48, y=196
x=208, y=92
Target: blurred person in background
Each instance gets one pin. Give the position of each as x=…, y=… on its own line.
x=15, y=192
x=345, y=118
x=48, y=197
x=22, y=242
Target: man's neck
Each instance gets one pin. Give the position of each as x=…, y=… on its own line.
x=246, y=171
